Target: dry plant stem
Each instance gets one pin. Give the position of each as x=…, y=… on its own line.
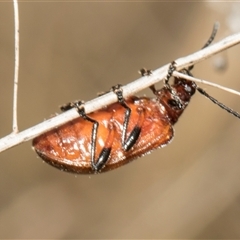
x=129, y=89
x=181, y=75
x=16, y=70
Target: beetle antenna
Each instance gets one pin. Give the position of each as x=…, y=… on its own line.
x=210, y=40
x=221, y=105
x=200, y=90
x=213, y=34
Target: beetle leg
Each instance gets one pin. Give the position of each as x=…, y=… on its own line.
x=105, y=153
x=96, y=164
x=127, y=143
x=171, y=69
x=70, y=105
x=145, y=72
x=134, y=135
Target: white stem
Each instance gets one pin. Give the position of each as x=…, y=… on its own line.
x=129, y=89
x=181, y=75
x=16, y=68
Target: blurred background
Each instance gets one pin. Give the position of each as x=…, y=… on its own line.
x=72, y=50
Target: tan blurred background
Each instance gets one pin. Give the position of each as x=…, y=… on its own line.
x=72, y=50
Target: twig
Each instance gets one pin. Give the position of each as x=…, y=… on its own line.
x=16, y=68
x=181, y=75
x=129, y=89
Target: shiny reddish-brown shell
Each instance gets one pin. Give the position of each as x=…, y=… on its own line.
x=68, y=147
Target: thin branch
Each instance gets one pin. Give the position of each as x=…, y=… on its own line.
x=129, y=89
x=181, y=75
x=16, y=68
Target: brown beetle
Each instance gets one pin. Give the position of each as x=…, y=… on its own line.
x=71, y=147
x=117, y=134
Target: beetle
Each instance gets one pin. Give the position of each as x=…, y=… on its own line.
x=107, y=135
x=115, y=135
